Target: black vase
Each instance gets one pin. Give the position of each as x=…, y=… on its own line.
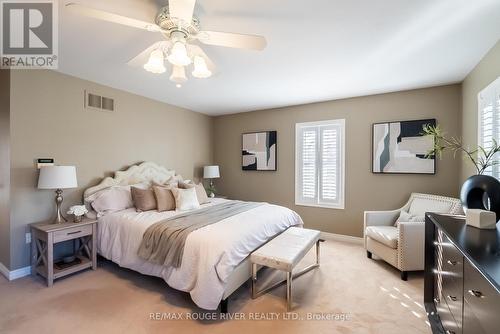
x=481, y=192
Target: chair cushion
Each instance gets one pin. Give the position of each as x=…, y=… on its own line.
x=387, y=235
x=287, y=249
x=419, y=206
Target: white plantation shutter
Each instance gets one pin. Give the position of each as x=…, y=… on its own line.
x=489, y=121
x=309, y=165
x=319, y=179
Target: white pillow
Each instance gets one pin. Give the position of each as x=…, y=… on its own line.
x=408, y=217
x=185, y=199
x=112, y=199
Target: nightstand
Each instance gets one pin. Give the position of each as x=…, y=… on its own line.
x=45, y=235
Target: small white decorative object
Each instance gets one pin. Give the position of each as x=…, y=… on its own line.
x=481, y=219
x=78, y=211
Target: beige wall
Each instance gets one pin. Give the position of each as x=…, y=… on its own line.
x=4, y=167
x=483, y=74
x=364, y=190
x=48, y=120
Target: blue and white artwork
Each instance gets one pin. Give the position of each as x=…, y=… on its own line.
x=401, y=147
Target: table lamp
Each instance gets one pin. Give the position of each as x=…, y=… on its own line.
x=58, y=178
x=211, y=172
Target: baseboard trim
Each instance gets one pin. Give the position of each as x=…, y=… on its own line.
x=341, y=237
x=21, y=272
x=14, y=274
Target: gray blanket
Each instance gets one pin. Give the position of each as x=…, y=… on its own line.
x=163, y=242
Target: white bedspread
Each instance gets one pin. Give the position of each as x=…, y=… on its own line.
x=210, y=254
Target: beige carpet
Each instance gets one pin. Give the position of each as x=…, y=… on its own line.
x=114, y=300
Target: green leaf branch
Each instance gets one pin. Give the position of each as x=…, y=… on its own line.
x=481, y=158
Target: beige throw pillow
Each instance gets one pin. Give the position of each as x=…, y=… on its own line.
x=164, y=198
x=185, y=199
x=201, y=193
x=144, y=199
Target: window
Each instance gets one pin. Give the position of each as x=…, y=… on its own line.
x=319, y=164
x=489, y=120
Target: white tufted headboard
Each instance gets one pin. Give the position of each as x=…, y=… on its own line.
x=144, y=172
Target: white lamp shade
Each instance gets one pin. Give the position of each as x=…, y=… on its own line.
x=57, y=177
x=211, y=172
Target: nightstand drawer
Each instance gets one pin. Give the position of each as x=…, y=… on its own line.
x=72, y=233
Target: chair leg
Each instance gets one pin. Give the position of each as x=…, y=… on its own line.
x=368, y=254
x=404, y=275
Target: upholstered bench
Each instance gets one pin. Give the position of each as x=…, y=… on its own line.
x=283, y=253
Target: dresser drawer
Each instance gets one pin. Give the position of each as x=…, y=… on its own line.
x=453, y=294
x=483, y=301
x=471, y=324
x=452, y=258
x=447, y=321
x=452, y=279
x=72, y=233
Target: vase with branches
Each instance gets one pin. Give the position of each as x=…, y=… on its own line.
x=481, y=158
x=478, y=191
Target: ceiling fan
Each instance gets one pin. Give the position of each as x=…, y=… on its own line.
x=180, y=29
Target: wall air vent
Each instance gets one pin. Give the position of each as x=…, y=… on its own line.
x=97, y=102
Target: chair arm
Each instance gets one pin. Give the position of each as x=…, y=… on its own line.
x=411, y=246
x=381, y=218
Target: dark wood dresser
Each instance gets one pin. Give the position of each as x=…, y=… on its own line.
x=462, y=276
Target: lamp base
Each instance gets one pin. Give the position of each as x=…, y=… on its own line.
x=59, y=216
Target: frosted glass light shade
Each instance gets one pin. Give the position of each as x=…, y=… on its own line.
x=201, y=70
x=155, y=63
x=57, y=177
x=211, y=172
x=178, y=74
x=178, y=55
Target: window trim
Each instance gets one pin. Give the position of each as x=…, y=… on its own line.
x=493, y=89
x=317, y=204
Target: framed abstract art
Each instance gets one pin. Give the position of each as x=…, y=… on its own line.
x=258, y=151
x=401, y=148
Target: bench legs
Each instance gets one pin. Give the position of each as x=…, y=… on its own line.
x=288, y=280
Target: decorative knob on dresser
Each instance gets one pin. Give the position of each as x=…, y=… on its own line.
x=476, y=293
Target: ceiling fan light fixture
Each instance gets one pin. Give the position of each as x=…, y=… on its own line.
x=178, y=54
x=155, y=63
x=178, y=75
x=201, y=70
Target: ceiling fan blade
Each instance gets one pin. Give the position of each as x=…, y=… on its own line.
x=110, y=17
x=231, y=40
x=182, y=9
x=143, y=57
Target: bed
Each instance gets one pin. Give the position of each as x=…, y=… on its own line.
x=215, y=259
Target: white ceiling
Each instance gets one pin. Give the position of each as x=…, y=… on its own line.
x=317, y=50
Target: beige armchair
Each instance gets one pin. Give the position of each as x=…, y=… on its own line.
x=402, y=244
